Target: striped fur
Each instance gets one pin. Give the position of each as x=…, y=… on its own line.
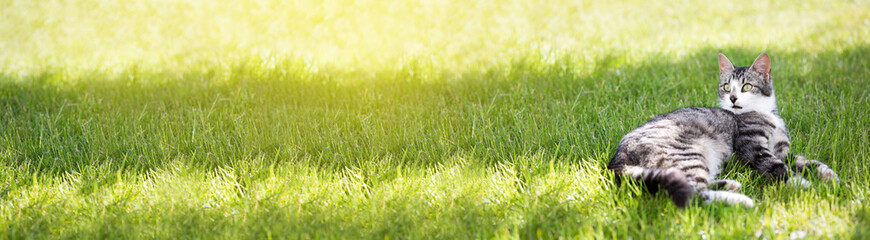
x=682, y=151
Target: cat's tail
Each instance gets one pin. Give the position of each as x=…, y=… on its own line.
x=672, y=180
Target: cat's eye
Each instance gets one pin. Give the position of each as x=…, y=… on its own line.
x=747, y=87
x=726, y=87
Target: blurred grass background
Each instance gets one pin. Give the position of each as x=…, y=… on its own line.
x=405, y=119
x=180, y=36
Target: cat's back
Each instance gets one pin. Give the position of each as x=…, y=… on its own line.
x=685, y=131
x=688, y=121
x=700, y=116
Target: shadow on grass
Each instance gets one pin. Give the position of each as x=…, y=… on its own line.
x=416, y=116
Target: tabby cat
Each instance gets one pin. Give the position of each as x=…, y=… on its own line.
x=682, y=151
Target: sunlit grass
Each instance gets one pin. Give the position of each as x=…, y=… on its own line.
x=377, y=119
x=385, y=35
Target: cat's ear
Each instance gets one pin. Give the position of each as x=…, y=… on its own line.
x=762, y=64
x=724, y=65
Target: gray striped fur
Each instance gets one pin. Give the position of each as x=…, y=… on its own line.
x=682, y=151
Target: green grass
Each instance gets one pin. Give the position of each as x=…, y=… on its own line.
x=411, y=119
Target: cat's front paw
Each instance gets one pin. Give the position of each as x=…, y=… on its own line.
x=827, y=174
x=798, y=181
x=730, y=198
x=822, y=170
x=727, y=185
x=778, y=171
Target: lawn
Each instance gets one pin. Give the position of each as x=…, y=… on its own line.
x=407, y=119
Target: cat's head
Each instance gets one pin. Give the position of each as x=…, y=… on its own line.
x=744, y=89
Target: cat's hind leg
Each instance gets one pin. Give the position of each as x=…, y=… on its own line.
x=699, y=177
x=726, y=184
x=731, y=198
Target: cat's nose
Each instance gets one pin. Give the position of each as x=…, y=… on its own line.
x=733, y=99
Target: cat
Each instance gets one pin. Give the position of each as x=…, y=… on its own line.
x=683, y=151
